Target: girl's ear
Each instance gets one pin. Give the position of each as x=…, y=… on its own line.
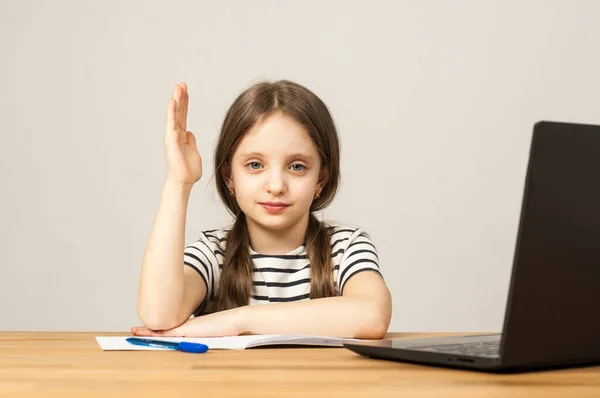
x=226, y=173
x=323, y=177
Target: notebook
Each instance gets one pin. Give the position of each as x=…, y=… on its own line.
x=118, y=343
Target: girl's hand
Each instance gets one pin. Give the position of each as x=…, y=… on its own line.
x=219, y=324
x=184, y=164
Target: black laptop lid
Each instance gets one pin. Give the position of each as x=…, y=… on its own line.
x=553, y=311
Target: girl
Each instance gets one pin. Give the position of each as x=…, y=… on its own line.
x=276, y=162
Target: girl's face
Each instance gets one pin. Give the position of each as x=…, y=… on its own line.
x=275, y=173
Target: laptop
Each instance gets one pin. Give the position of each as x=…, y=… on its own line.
x=552, y=315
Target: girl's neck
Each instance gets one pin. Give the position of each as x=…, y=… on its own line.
x=277, y=242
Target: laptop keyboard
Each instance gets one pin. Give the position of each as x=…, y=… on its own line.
x=477, y=349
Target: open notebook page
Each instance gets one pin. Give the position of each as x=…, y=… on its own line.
x=114, y=343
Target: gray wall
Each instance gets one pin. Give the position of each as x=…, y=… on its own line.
x=435, y=102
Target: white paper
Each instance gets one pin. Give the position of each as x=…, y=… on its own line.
x=117, y=343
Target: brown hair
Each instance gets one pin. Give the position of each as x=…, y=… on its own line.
x=252, y=106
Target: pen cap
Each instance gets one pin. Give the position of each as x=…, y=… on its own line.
x=192, y=347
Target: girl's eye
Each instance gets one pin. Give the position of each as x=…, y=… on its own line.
x=295, y=167
x=298, y=167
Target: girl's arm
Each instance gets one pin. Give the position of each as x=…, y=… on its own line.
x=364, y=311
x=170, y=291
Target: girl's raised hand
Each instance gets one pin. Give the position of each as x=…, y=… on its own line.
x=184, y=164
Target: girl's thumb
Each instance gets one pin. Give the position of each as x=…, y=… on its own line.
x=191, y=139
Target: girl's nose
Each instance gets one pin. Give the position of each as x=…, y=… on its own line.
x=276, y=184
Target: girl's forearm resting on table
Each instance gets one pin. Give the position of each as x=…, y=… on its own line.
x=364, y=312
x=348, y=317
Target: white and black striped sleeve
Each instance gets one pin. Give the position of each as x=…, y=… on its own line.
x=201, y=255
x=360, y=255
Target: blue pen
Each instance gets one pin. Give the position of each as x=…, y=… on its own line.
x=183, y=346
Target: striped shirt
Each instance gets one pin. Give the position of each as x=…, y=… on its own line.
x=283, y=278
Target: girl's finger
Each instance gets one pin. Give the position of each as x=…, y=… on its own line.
x=184, y=102
x=138, y=331
x=171, y=115
x=144, y=332
x=137, y=327
x=177, y=94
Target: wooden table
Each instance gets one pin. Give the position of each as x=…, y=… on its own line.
x=73, y=365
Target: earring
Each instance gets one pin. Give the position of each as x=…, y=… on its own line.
x=231, y=191
x=317, y=194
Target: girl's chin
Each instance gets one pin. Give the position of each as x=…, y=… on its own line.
x=272, y=224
